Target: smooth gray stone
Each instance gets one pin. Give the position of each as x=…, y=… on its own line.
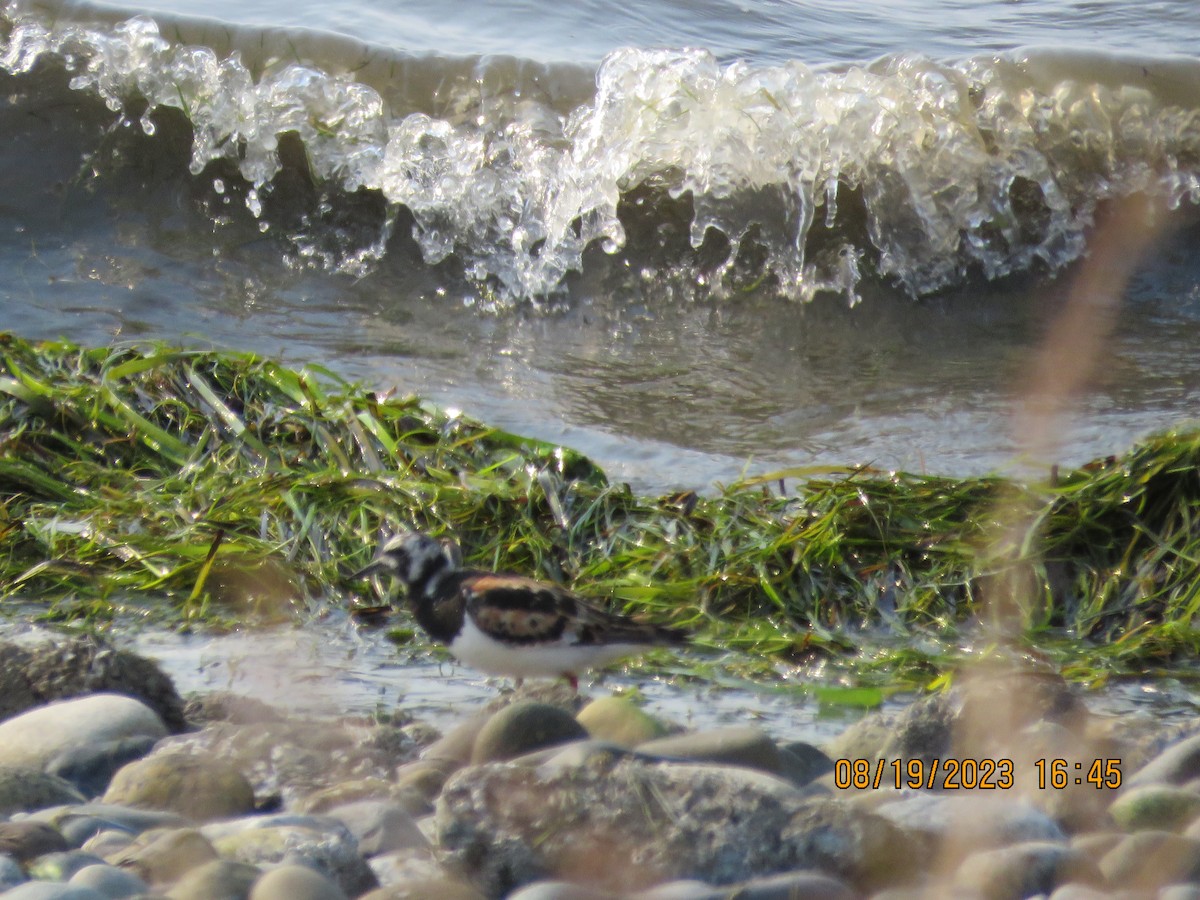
x=91, y=767
x=789, y=885
x=51, y=890
x=220, y=878
x=295, y=883
x=60, y=866
x=11, y=873
x=524, y=727
x=27, y=790
x=80, y=822
x=109, y=881
x=681, y=890
x=732, y=745
x=560, y=890
x=380, y=827
x=1178, y=764
x=38, y=736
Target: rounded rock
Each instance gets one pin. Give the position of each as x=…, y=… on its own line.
x=960, y=824
x=1023, y=870
x=79, y=822
x=380, y=827
x=35, y=738
x=26, y=839
x=52, y=890
x=87, y=664
x=60, y=866
x=453, y=750
x=320, y=842
x=90, y=768
x=560, y=890
x=803, y=763
x=162, y=857
x=1160, y=807
x=199, y=787
x=295, y=883
x=219, y=878
x=620, y=721
x=1178, y=764
x=1152, y=859
x=441, y=888
x=11, y=873
x=681, y=890
x=26, y=790
x=734, y=745
x=524, y=727
x=414, y=799
x=809, y=885
x=109, y=881
x=108, y=844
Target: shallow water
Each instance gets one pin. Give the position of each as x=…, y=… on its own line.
x=335, y=668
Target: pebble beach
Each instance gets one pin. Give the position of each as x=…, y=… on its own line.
x=112, y=785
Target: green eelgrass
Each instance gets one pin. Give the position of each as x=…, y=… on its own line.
x=194, y=485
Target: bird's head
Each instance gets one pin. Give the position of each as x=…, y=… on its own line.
x=410, y=556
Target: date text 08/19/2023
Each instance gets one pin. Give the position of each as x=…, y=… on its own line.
x=973, y=774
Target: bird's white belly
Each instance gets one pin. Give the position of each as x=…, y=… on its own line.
x=552, y=659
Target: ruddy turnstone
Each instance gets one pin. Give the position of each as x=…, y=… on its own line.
x=507, y=624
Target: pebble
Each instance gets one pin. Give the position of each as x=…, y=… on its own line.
x=560, y=890
x=50, y=890
x=959, y=823
x=35, y=738
x=789, y=885
x=108, y=844
x=87, y=664
x=79, y=822
x=109, y=881
x=220, y=878
x=532, y=802
x=620, y=721
x=1178, y=764
x=27, y=790
x=684, y=889
x=164, y=856
x=295, y=883
x=60, y=866
x=11, y=873
x=1152, y=859
x=91, y=767
x=426, y=889
x=803, y=763
x=406, y=790
x=506, y=826
x=23, y=840
x=524, y=727
x=405, y=865
x=1155, y=806
x=453, y=750
x=1023, y=870
x=380, y=827
x=199, y=787
x=733, y=745
x=321, y=842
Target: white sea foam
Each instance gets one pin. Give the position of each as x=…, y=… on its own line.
x=920, y=171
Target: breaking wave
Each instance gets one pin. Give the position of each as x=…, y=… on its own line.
x=917, y=172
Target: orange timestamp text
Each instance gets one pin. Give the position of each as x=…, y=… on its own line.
x=972, y=774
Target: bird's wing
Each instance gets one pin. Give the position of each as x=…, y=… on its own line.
x=525, y=610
